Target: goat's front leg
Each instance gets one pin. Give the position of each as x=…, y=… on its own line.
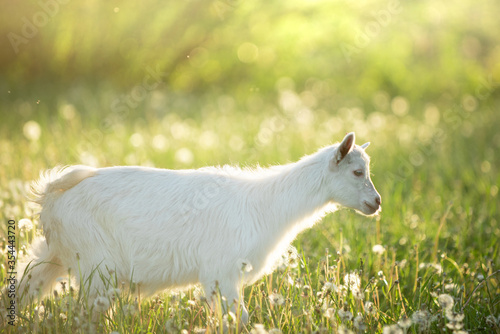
x=231, y=291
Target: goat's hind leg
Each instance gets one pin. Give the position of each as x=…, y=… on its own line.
x=38, y=274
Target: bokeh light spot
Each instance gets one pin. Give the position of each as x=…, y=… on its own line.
x=32, y=130
x=400, y=106
x=248, y=53
x=160, y=143
x=136, y=140
x=184, y=156
x=485, y=166
x=431, y=115
x=67, y=111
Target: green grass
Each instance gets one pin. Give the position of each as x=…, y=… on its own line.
x=439, y=224
x=265, y=83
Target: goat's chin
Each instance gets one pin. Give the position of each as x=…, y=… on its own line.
x=369, y=211
x=376, y=213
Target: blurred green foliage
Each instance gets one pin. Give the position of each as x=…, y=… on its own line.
x=417, y=49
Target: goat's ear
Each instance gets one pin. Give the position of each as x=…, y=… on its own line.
x=344, y=148
x=365, y=145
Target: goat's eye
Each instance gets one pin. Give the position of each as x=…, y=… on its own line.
x=358, y=172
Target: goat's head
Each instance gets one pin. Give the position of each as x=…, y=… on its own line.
x=354, y=188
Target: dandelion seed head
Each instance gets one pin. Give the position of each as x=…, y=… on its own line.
x=245, y=266
x=25, y=224
x=290, y=258
x=392, y=329
x=359, y=323
x=421, y=318
x=113, y=293
x=40, y=310
x=101, y=304
x=198, y=293
x=342, y=289
x=352, y=281
x=345, y=315
x=445, y=301
x=454, y=326
x=329, y=287
x=492, y=320
x=454, y=317
x=378, y=249
x=370, y=308
x=343, y=330
x=404, y=323
x=358, y=294
x=276, y=299
x=451, y=287
x=329, y=313
x=438, y=268
x=258, y=329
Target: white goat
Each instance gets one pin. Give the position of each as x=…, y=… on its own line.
x=176, y=228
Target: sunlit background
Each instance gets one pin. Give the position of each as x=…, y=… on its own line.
x=183, y=84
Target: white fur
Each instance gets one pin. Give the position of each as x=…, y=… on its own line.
x=175, y=228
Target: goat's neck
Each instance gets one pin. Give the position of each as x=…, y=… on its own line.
x=296, y=197
x=289, y=201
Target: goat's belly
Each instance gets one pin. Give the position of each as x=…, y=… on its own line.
x=163, y=266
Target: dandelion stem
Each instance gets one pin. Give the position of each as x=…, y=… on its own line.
x=441, y=225
x=377, y=222
x=477, y=287
x=416, y=269
x=399, y=290
x=139, y=300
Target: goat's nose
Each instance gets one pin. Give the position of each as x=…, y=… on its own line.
x=378, y=200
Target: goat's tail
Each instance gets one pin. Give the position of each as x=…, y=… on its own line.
x=54, y=182
x=51, y=185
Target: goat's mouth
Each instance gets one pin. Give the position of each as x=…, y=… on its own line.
x=372, y=209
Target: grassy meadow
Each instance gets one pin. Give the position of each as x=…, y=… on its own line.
x=226, y=82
